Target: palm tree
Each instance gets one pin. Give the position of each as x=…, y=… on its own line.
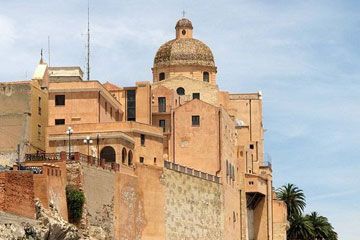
x=294, y=199
x=301, y=228
x=322, y=228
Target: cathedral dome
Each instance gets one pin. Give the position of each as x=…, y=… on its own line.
x=184, y=50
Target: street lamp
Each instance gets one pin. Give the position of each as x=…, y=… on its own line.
x=88, y=141
x=69, y=131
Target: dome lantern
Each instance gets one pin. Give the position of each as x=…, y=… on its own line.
x=184, y=28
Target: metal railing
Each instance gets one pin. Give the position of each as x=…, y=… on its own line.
x=267, y=164
x=191, y=172
x=42, y=157
x=75, y=156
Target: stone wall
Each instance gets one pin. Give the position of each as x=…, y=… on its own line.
x=193, y=207
x=17, y=193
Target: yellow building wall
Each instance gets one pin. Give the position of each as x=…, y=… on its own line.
x=39, y=117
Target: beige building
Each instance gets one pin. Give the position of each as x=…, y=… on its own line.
x=23, y=116
x=192, y=153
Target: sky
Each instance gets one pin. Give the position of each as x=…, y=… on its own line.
x=303, y=55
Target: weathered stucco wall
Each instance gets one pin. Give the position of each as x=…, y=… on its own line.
x=193, y=208
x=280, y=224
x=153, y=193
x=14, y=120
x=129, y=208
x=99, y=189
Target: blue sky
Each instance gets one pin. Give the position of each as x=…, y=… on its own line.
x=303, y=55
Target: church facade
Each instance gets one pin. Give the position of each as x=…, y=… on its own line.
x=186, y=158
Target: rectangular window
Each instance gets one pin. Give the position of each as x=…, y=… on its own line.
x=39, y=106
x=59, y=121
x=131, y=105
x=111, y=112
x=196, y=95
x=195, y=120
x=142, y=139
x=105, y=107
x=227, y=168
x=141, y=159
x=162, y=104
x=59, y=100
x=162, y=124
x=39, y=132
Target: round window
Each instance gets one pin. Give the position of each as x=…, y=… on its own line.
x=180, y=91
x=183, y=32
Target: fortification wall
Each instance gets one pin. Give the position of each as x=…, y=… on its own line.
x=153, y=195
x=17, y=193
x=49, y=187
x=280, y=224
x=192, y=207
x=99, y=188
x=129, y=207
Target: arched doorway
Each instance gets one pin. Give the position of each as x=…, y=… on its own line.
x=108, y=153
x=123, y=155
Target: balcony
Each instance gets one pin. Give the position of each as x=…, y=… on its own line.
x=255, y=184
x=161, y=109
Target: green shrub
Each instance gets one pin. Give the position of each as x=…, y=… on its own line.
x=75, y=202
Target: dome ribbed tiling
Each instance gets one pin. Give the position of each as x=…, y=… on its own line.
x=184, y=23
x=184, y=51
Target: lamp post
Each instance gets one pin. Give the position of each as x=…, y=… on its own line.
x=69, y=131
x=88, y=141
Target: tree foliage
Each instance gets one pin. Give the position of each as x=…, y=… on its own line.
x=294, y=199
x=304, y=227
x=75, y=202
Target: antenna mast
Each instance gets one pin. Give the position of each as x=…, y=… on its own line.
x=49, y=50
x=88, y=43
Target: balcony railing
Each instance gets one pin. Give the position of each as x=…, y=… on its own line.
x=76, y=156
x=161, y=108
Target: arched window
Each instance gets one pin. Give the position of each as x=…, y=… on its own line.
x=180, y=91
x=130, y=158
x=161, y=76
x=123, y=155
x=206, y=76
x=108, y=153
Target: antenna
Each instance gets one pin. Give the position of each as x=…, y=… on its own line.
x=88, y=43
x=41, y=57
x=49, y=50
